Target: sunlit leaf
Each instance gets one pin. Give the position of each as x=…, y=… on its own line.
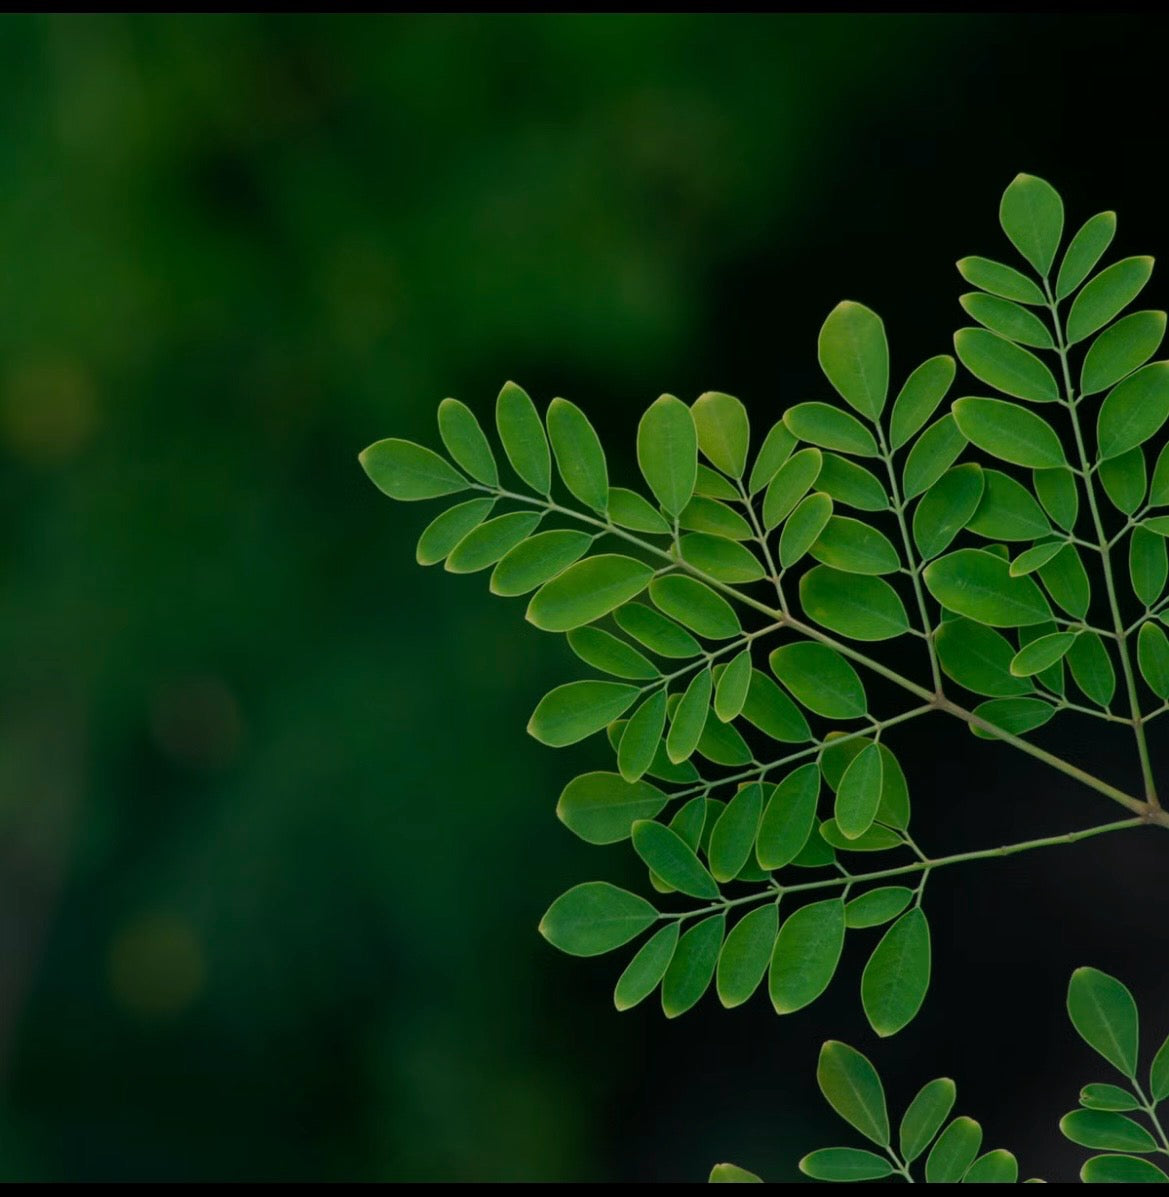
x=712, y=485
x=446, y=530
x=601, y=808
x=1009, y=432
x=578, y=709
x=830, y=427
x=465, y=441
x=722, y=744
x=876, y=839
x=521, y=432
x=1031, y=214
x=1106, y=296
x=710, y=515
x=820, y=679
x=977, y=584
x=854, y=355
x=1033, y=558
x=1007, y=510
x=667, y=452
x=579, y=456
x=1007, y=319
x=850, y=484
x=1016, y=716
x=733, y=836
x=925, y=1115
x=485, y=545
x=918, y=399
x=995, y=1167
x=1108, y=1097
x=789, y=485
x=855, y=547
x=1087, y=247
x=776, y=449
x=537, y=560
x=856, y=606
x=695, y=605
x=723, y=560
x=1004, y=281
x=978, y=658
x=732, y=1174
x=803, y=528
x=936, y=450
x=586, y=591
x=954, y=1152
x=594, y=918
x=1005, y=366
x=1066, y=580
x=404, y=470
x=724, y=431
x=628, y=509
x=672, y=860
x=1120, y=350
x=1148, y=565
x=1041, y=654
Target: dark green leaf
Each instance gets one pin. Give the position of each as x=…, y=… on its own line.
x=852, y=546
x=854, y=355
x=522, y=435
x=1033, y=558
x=787, y=822
x=918, y=399
x=537, y=560
x=1000, y=280
x=806, y=955
x=1103, y=1130
x=578, y=709
x=856, y=606
x=694, y=604
x=820, y=679
x=1059, y=495
x=954, y=1152
x=1009, y=432
x=979, y=585
x=876, y=839
x=946, y=508
x=1031, y=214
x=817, y=853
x=1153, y=656
x=723, y=560
x=791, y=482
x=995, y=1167
x=692, y=968
x=1092, y=668
x=772, y=712
x=845, y=1163
x=627, y=509
x=803, y=527
x=893, y=810
x=1041, y=654
x=1134, y=410
x=689, y=718
x=1124, y=480
x=1086, y=249
x=850, y=484
x=876, y=907
x=830, y=428
x=1007, y=319
x=859, y=793
x=723, y=745
x=1005, y=366
x=724, y=431
x=601, y=808
x=602, y=650
x=709, y=515
x=643, y=734
x=1158, y=524
x=1103, y=1012
x=733, y=685
x=1108, y=1097
x=1159, y=490
x=659, y=634
x=446, y=530
x=1067, y=581
x=594, y=918
x=853, y=1089
x=1105, y=296
x=935, y=452
x=978, y=658
x=1120, y=350
x=404, y=470
x=1015, y=716
x=465, y=441
x=1007, y=511
x=733, y=836
x=667, y=452
x=1121, y=1169
x=485, y=545
x=897, y=975
x=746, y=955
x=925, y=1115
x=579, y=456
x=1159, y=1073
x=775, y=450
x=646, y=969
x=586, y=591
x=712, y=485
x=671, y=859
x=732, y=1174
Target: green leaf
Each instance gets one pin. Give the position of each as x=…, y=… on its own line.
x=732, y=1174
x=918, y=399
x=856, y=606
x=946, y=508
x=851, y=1086
x=586, y=591
x=876, y=907
x=724, y=431
x=803, y=528
x=1108, y=1097
x=601, y=808
x=893, y=810
x=978, y=658
x=850, y=484
x=1009, y=432
x=997, y=1167
x=1067, y=581
x=859, y=794
x=712, y=485
x=849, y=545
x=1031, y=214
x=1015, y=716
x=1041, y=654
x=925, y=1115
x=404, y=470
x=1153, y=657
x=770, y=710
x=692, y=968
x=537, y=560
x=709, y=515
x=733, y=836
x=522, y=434
x=746, y=955
x=659, y=634
x=1033, y=558
x=1103, y=1012
x=1059, y=495
x=646, y=969
x=694, y=604
x=845, y=1163
x=775, y=450
x=1004, y=281
x=789, y=486
x=1158, y=524
x=817, y=853
x=1092, y=668
x=446, y=530
x=820, y=679
x=1159, y=490
x=1007, y=319
x=643, y=734
x=668, y=855
x=897, y=975
x=572, y=712
x=806, y=955
x=723, y=745
x=1120, y=350
x=594, y=918
x=579, y=456
x=1121, y=1169
x=1159, y=1073
x=954, y=1152
x=689, y=718
x=935, y=452
x=979, y=585
x=1007, y=511
x=876, y=839
x=1103, y=1130
x=733, y=685
x=788, y=820
x=830, y=428
x=465, y=441
x=1134, y=410
x=1125, y=480
x=485, y=545
x=1005, y=366
x=1086, y=249
x=627, y=509
x=667, y=452
x=1108, y=294
x=723, y=560
x=602, y=650
x=854, y=355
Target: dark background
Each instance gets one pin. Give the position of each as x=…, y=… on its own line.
x=273, y=843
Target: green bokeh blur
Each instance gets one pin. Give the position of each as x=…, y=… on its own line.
x=273, y=845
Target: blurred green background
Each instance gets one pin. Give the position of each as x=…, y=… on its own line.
x=273, y=844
